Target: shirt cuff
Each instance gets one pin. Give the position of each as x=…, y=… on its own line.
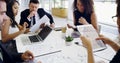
x=28, y=19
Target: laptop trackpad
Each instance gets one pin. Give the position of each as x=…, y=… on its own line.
x=25, y=40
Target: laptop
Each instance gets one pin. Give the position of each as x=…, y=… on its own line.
x=37, y=38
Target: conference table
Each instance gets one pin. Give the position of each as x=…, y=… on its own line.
x=54, y=49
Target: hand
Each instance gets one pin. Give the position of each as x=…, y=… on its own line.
x=27, y=56
x=25, y=25
x=52, y=25
x=23, y=28
x=32, y=14
x=27, y=30
x=86, y=42
x=105, y=39
x=114, y=45
x=83, y=21
x=39, y=62
x=69, y=26
x=42, y=25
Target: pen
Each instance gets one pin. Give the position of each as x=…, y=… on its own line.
x=49, y=53
x=77, y=43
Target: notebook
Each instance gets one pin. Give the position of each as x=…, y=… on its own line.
x=37, y=38
x=91, y=33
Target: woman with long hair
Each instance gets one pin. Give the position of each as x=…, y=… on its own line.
x=83, y=13
x=10, y=29
x=112, y=44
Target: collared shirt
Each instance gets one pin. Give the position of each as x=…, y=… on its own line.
x=36, y=19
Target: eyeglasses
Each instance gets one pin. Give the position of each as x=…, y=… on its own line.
x=114, y=18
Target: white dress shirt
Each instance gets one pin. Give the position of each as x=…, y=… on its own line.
x=36, y=19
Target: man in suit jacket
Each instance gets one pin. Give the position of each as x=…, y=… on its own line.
x=5, y=56
x=33, y=10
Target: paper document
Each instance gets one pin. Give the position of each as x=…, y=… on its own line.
x=41, y=49
x=32, y=61
x=106, y=54
x=35, y=27
x=90, y=32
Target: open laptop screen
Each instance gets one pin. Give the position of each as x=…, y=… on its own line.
x=44, y=32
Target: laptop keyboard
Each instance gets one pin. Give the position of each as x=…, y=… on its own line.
x=41, y=36
x=25, y=40
x=33, y=38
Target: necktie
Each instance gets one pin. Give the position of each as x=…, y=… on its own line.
x=33, y=20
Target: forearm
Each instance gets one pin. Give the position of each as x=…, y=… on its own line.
x=115, y=46
x=74, y=19
x=95, y=26
x=21, y=27
x=8, y=37
x=87, y=44
x=50, y=17
x=90, y=56
x=94, y=21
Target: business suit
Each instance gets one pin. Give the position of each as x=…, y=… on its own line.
x=10, y=57
x=41, y=12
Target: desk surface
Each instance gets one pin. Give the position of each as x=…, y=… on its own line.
x=55, y=43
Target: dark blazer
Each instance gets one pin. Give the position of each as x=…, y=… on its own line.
x=10, y=57
x=41, y=12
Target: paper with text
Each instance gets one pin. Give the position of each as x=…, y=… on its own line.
x=36, y=27
x=106, y=54
x=90, y=32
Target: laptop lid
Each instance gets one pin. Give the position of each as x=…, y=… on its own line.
x=44, y=32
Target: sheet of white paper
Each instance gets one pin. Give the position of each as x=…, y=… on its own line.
x=66, y=56
x=32, y=61
x=90, y=32
x=107, y=54
x=41, y=49
x=35, y=27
